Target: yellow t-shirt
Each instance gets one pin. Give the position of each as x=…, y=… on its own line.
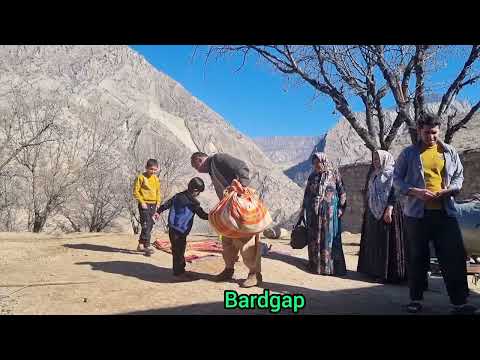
x=147, y=189
x=433, y=163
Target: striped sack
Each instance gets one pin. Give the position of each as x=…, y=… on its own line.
x=240, y=214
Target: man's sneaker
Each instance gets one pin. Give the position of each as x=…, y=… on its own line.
x=140, y=248
x=466, y=309
x=148, y=251
x=252, y=280
x=414, y=307
x=225, y=275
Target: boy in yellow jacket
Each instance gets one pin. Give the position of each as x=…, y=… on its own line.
x=146, y=190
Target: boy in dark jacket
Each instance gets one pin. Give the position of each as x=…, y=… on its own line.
x=183, y=207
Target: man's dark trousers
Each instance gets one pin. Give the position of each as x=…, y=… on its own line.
x=445, y=233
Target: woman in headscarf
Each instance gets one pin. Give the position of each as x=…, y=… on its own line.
x=382, y=246
x=324, y=203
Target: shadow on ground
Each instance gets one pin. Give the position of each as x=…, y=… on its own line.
x=299, y=263
x=212, y=308
x=79, y=236
x=381, y=299
x=357, y=301
x=374, y=300
x=141, y=271
x=103, y=248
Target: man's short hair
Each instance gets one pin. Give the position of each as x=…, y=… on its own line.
x=198, y=154
x=196, y=184
x=430, y=120
x=152, y=162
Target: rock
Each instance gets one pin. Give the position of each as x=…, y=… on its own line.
x=271, y=233
x=276, y=232
x=85, y=300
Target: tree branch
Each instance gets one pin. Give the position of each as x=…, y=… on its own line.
x=452, y=130
x=456, y=85
x=392, y=134
x=419, y=65
x=28, y=143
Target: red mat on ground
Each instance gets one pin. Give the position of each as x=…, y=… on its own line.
x=195, y=250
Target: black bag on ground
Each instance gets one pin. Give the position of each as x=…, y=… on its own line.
x=299, y=239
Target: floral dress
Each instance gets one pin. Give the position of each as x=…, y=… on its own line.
x=324, y=197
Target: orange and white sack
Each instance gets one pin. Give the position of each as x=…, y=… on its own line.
x=240, y=214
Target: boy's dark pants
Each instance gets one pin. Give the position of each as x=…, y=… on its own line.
x=445, y=233
x=146, y=222
x=179, y=244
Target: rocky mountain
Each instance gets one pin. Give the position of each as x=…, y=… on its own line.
x=344, y=147
x=152, y=111
x=287, y=151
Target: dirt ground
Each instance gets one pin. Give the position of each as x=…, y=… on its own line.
x=108, y=277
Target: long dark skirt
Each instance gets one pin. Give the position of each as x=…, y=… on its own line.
x=383, y=248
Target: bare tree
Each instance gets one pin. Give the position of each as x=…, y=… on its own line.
x=20, y=116
x=50, y=170
x=466, y=77
x=54, y=169
x=9, y=202
x=99, y=199
x=95, y=200
x=368, y=72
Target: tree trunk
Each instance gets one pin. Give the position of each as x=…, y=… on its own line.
x=75, y=227
x=95, y=227
x=413, y=135
x=39, y=222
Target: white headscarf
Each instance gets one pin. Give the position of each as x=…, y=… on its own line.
x=380, y=184
x=325, y=164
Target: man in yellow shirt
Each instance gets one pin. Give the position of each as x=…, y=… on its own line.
x=430, y=174
x=146, y=190
x=433, y=163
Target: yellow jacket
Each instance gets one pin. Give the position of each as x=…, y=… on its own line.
x=147, y=189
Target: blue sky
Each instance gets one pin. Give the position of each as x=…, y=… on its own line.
x=256, y=100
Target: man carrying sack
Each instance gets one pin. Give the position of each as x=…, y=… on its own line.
x=223, y=169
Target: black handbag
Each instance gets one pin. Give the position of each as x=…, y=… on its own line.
x=299, y=237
